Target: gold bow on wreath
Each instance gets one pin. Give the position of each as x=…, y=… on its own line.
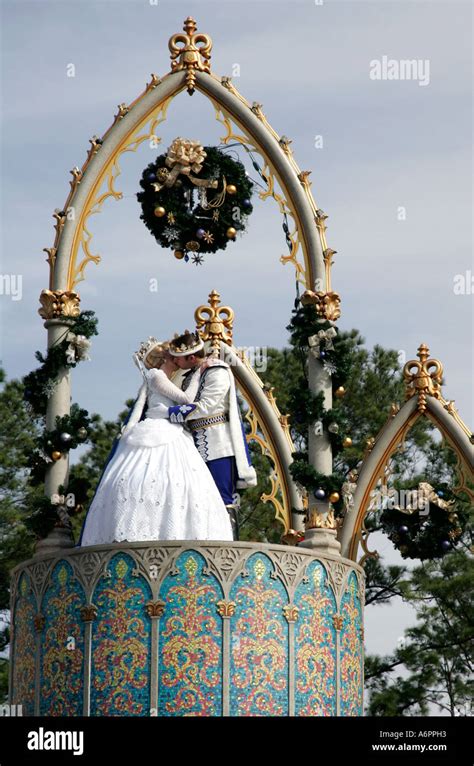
x=186, y=157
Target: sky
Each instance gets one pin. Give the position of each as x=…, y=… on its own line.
x=392, y=169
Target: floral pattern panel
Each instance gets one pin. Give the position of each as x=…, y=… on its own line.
x=121, y=642
x=62, y=647
x=190, y=646
x=315, y=645
x=259, y=642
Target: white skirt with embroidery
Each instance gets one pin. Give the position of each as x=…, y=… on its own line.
x=156, y=487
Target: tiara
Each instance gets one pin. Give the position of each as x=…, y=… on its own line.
x=146, y=347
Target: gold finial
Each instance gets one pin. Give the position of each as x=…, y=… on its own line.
x=423, y=378
x=423, y=352
x=216, y=320
x=191, y=56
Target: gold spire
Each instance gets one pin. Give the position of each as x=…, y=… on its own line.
x=191, y=56
x=216, y=320
x=423, y=378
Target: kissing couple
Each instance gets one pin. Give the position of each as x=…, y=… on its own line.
x=173, y=472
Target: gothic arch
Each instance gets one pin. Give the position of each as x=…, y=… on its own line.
x=126, y=134
x=424, y=399
x=94, y=183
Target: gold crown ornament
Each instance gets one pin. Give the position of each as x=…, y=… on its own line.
x=184, y=349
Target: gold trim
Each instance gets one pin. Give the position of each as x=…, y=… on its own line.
x=303, y=275
x=96, y=198
x=449, y=407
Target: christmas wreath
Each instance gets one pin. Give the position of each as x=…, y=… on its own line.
x=428, y=526
x=195, y=199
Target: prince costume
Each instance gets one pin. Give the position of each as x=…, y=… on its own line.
x=215, y=424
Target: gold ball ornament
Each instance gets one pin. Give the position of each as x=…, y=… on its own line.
x=334, y=497
x=347, y=441
x=231, y=232
x=159, y=211
x=178, y=254
x=56, y=455
x=231, y=189
x=340, y=392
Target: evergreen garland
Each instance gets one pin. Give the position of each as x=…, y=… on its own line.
x=39, y=384
x=69, y=431
x=308, y=409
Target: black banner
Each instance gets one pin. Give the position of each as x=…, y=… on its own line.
x=40, y=740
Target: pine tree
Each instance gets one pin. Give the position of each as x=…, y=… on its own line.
x=437, y=653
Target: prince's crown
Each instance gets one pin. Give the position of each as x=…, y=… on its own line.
x=185, y=344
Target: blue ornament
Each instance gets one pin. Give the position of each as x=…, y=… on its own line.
x=445, y=545
x=403, y=530
x=320, y=494
x=246, y=203
x=322, y=354
x=186, y=258
x=200, y=233
x=150, y=176
x=440, y=493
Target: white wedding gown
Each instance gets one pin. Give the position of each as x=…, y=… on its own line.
x=157, y=486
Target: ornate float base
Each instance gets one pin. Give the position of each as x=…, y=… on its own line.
x=187, y=628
